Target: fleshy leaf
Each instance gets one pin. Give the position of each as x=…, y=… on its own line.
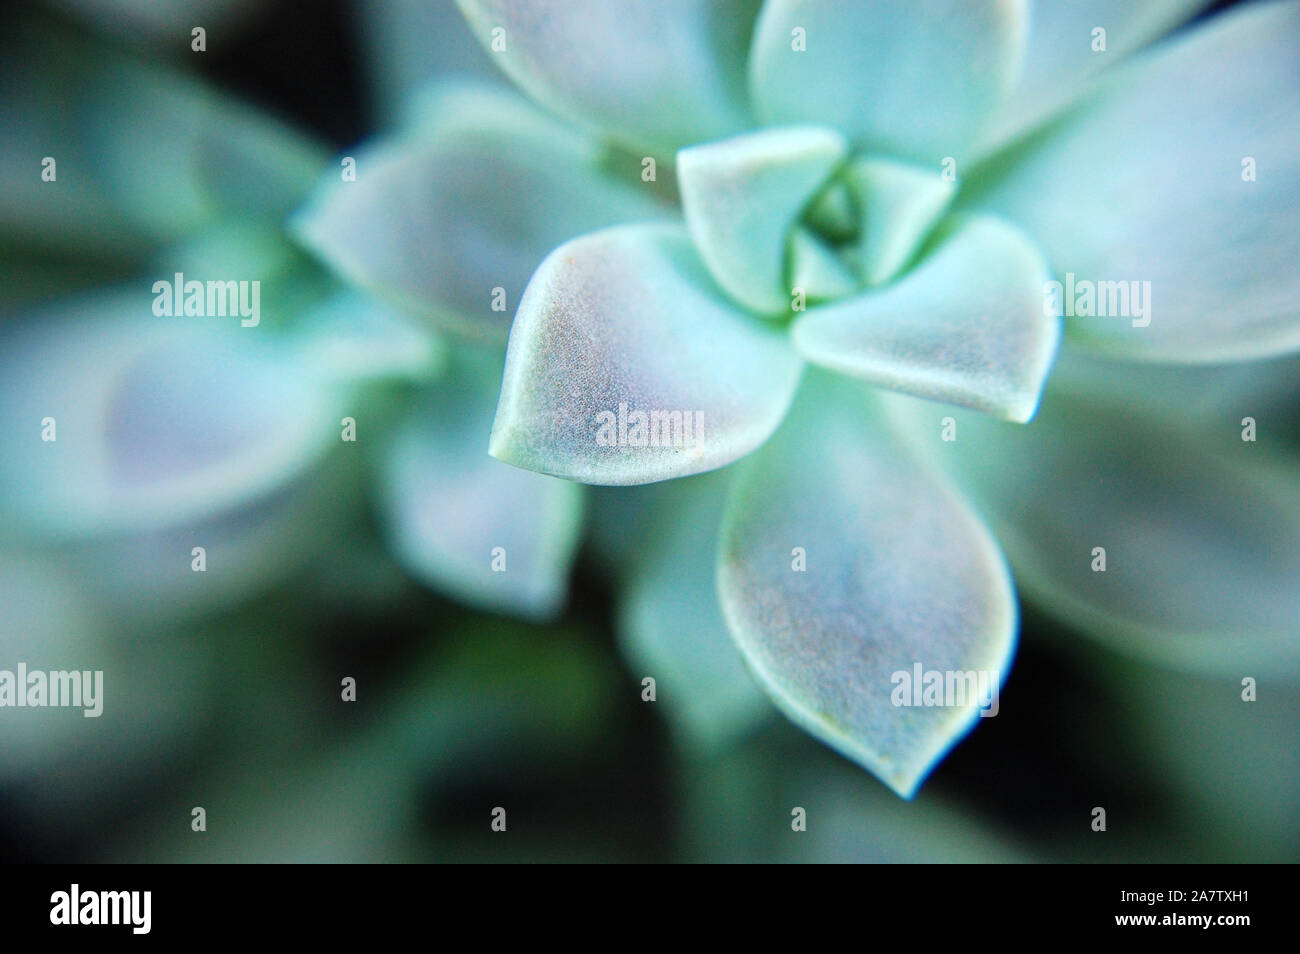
x=399, y=60
x=817, y=269
x=156, y=421
x=237, y=247
x=1200, y=529
x=513, y=190
x=1215, y=397
x=141, y=154
x=153, y=697
x=834, y=213
x=912, y=78
x=1175, y=180
x=350, y=336
x=1064, y=52
x=900, y=204
x=671, y=626
x=146, y=576
x=658, y=73
x=628, y=365
x=168, y=434
x=45, y=624
x=968, y=326
x=288, y=280
x=449, y=506
x=252, y=166
x=743, y=195
x=897, y=573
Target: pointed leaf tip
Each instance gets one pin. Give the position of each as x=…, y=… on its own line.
x=844, y=563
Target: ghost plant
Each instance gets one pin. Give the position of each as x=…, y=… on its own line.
x=181, y=461
x=825, y=237
x=888, y=197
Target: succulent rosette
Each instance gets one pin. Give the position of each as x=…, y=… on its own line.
x=745, y=229
x=788, y=285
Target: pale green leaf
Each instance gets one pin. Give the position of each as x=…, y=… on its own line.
x=621, y=344
x=897, y=574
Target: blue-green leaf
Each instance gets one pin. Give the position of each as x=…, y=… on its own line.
x=140, y=154
x=818, y=270
x=399, y=59
x=671, y=627
x=490, y=535
x=628, y=365
x=352, y=337
x=449, y=221
x=969, y=325
x=656, y=73
x=742, y=196
x=1154, y=531
x=1169, y=190
x=900, y=203
x=911, y=78
x=844, y=563
x=150, y=695
x=152, y=420
x=1069, y=43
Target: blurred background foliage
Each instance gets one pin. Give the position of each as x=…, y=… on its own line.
x=230, y=700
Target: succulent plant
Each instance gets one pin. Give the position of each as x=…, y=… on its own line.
x=884, y=193
x=773, y=304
